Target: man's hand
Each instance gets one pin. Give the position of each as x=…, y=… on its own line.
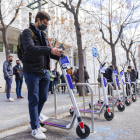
x=57, y=51
x=8, y=77
x=18, y=71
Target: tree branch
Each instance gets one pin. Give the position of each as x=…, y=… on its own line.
x=15, y=16
x=78, y=5
x=104, y=37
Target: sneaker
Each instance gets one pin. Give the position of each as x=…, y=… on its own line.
x=41, y=128
x=18, y=97
x=38, y=134
x=10, y=100
x=21, y=97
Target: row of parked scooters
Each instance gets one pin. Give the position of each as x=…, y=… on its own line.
x=126, y=98
x=83, y=130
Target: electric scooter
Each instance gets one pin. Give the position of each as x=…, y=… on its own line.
x=127, y=101
x=120, y=106
x=82, y=129
x=107, y=114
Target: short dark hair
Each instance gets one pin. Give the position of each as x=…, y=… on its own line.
x=42, y=15
x=111, y=66
x=17, y=60
x=71, y=68
x=129, y=67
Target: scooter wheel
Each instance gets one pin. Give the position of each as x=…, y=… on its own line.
x=107, y=116
x=127, y=103
x=42, y=124
x=89, y=105
x=121, y=109
x=134, y=99
x=71, y=112
x=81, y=134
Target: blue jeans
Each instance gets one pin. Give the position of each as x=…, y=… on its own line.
x=38, y=86
x=54, y=84
x=8, y=83
x=19, y=87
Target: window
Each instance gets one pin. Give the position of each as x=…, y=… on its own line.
x=74, y=60
x=1, y=47
x=13, y=49
x=30, y=17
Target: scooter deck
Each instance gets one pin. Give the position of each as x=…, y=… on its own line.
x=88, y=111
x=57, y=122
x=101, y=104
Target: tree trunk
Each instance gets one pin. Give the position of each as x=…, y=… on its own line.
x=134, y=62
x=113, y=56
x=127, y=56
x=5, y=42
x=80, y=54
x=7, y=49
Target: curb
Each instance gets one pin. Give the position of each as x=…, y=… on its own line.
x=24, y=119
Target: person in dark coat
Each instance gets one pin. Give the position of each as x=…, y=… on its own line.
x=86, y=76
x=133, y=76
x=18, y=72
x=8, y=76
x=36, y=63
x=110, y=76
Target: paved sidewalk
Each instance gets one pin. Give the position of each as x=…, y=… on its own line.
x=13, y=114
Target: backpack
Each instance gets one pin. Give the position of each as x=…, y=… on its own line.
x=69, y=71
x=20, y=50
x=106, y=74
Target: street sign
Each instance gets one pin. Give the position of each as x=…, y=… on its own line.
x=126, y=63
x=94, y=52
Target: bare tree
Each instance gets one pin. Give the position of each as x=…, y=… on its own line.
x=112, y=17
x=130, y=38
x=134, y=56
x=73, y=8
x=4, y=27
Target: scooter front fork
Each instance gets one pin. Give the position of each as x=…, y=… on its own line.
x=108, y=110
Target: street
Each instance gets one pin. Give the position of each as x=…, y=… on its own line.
x=124, y=126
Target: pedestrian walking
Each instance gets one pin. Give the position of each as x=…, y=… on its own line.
x=18, y=72
x=63, y=81
x=8, y=76
x=56, y=74
x=51, y=81
x=36, y=62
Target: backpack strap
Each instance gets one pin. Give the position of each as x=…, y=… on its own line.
x=33, y=35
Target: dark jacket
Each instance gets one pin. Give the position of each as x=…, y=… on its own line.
x=110, y=75
x=18, y=76
x=38, y=51
x=7, y=69
x=133, y=75
x=86, y=75
x=56, y=74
